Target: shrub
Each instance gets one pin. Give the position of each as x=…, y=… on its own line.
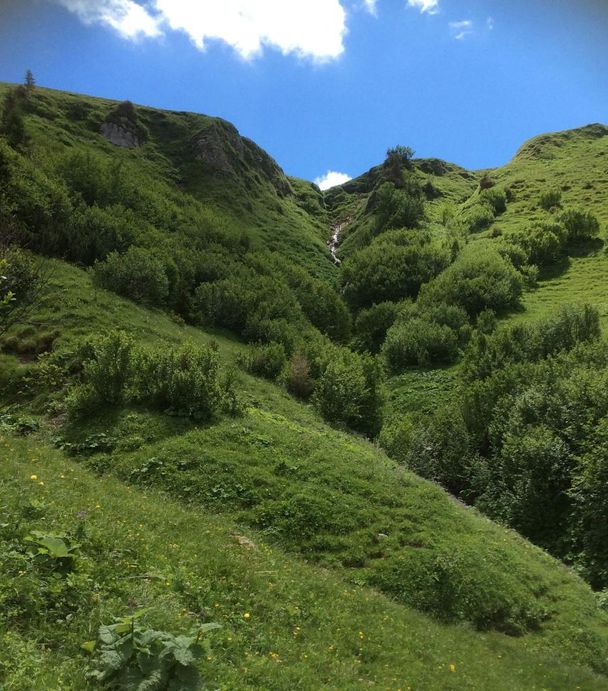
x=580, y=225
x=187, y=380
x=348, y=391
x=549, y=199
x=390, y=272
x=497, y=199
x=298, y=379
x=266, y=361
x=419, y=342
x=476, y=282
x=542, y=244
x=137, y=274
x=108, y=366
x=130, y=657
x=372, y=324
x=448, y=583
x=398, y=208
x=479, y=217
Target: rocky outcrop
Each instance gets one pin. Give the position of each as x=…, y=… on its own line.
x=222, y=149
x=119, y=135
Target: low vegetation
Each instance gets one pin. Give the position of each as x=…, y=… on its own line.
x=210, y=430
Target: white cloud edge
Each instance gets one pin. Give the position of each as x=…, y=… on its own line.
x=312, y=29
x=425, y=6
x=461, y=29
x=331, y=179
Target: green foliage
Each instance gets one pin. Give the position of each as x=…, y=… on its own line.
x=419, y=342
x=447, y=585
x=475, y=282
x=12, y=125
x=580, y=225
x=108, y=367
x=21, y=286
x=588, y=494
x=348, y=391
x=496, y=198
x=398, y=208
x=542, y=244
x=549, y=199
x=528, y=343
x=479, y=217
x=136, y=274
x=187, y=380
x=372, y=324
x=397, y=159
x=390, y=269
x=266, y=361
x=133, y=658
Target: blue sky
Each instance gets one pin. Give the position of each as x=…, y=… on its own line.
x=329, y=85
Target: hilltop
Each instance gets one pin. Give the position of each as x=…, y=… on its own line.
x=193, y=409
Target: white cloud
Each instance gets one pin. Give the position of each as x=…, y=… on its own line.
x=490, y=23
x=460, y=30
x=429, y=6
x=126, y=17
x=307, y=28
x=371, y=6
x=331, y=179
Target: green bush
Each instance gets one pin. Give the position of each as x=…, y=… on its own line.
x=185, y=380
x=549, y=199
x=372, y=324
x=448, y=583
x=108, y=366
x=266, y=361
x=542, y=244
x=137, y=274
x=348, y=391
x=388, y=270
x=419, y=342
x=476, y=282
x=479, y=217
x=497, y=199
x=580, y=225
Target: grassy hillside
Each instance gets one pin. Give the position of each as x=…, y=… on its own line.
x=289, y=481
x=147, y=472
x=193, y=158
x=284, y=624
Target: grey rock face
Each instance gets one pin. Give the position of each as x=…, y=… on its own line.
x=119, y=136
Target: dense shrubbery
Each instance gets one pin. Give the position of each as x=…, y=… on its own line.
x=541, y=244
x=524, y=441
x=476, y=282
x=348, y=391
x=266, y=361
x=393, y=267
x=549, y=199
x=580, y=225
x=188, y=380
x=136, y=274
x=398, y=208
x=372, y=324
x=419, y=342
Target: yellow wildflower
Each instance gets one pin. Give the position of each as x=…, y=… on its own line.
x=452, y=668
x=33, y=477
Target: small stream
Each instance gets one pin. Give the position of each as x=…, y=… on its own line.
x=334, y=242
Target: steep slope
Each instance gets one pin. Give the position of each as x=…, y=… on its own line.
x=308, y=490
x=266, y=511
x=204, y=157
